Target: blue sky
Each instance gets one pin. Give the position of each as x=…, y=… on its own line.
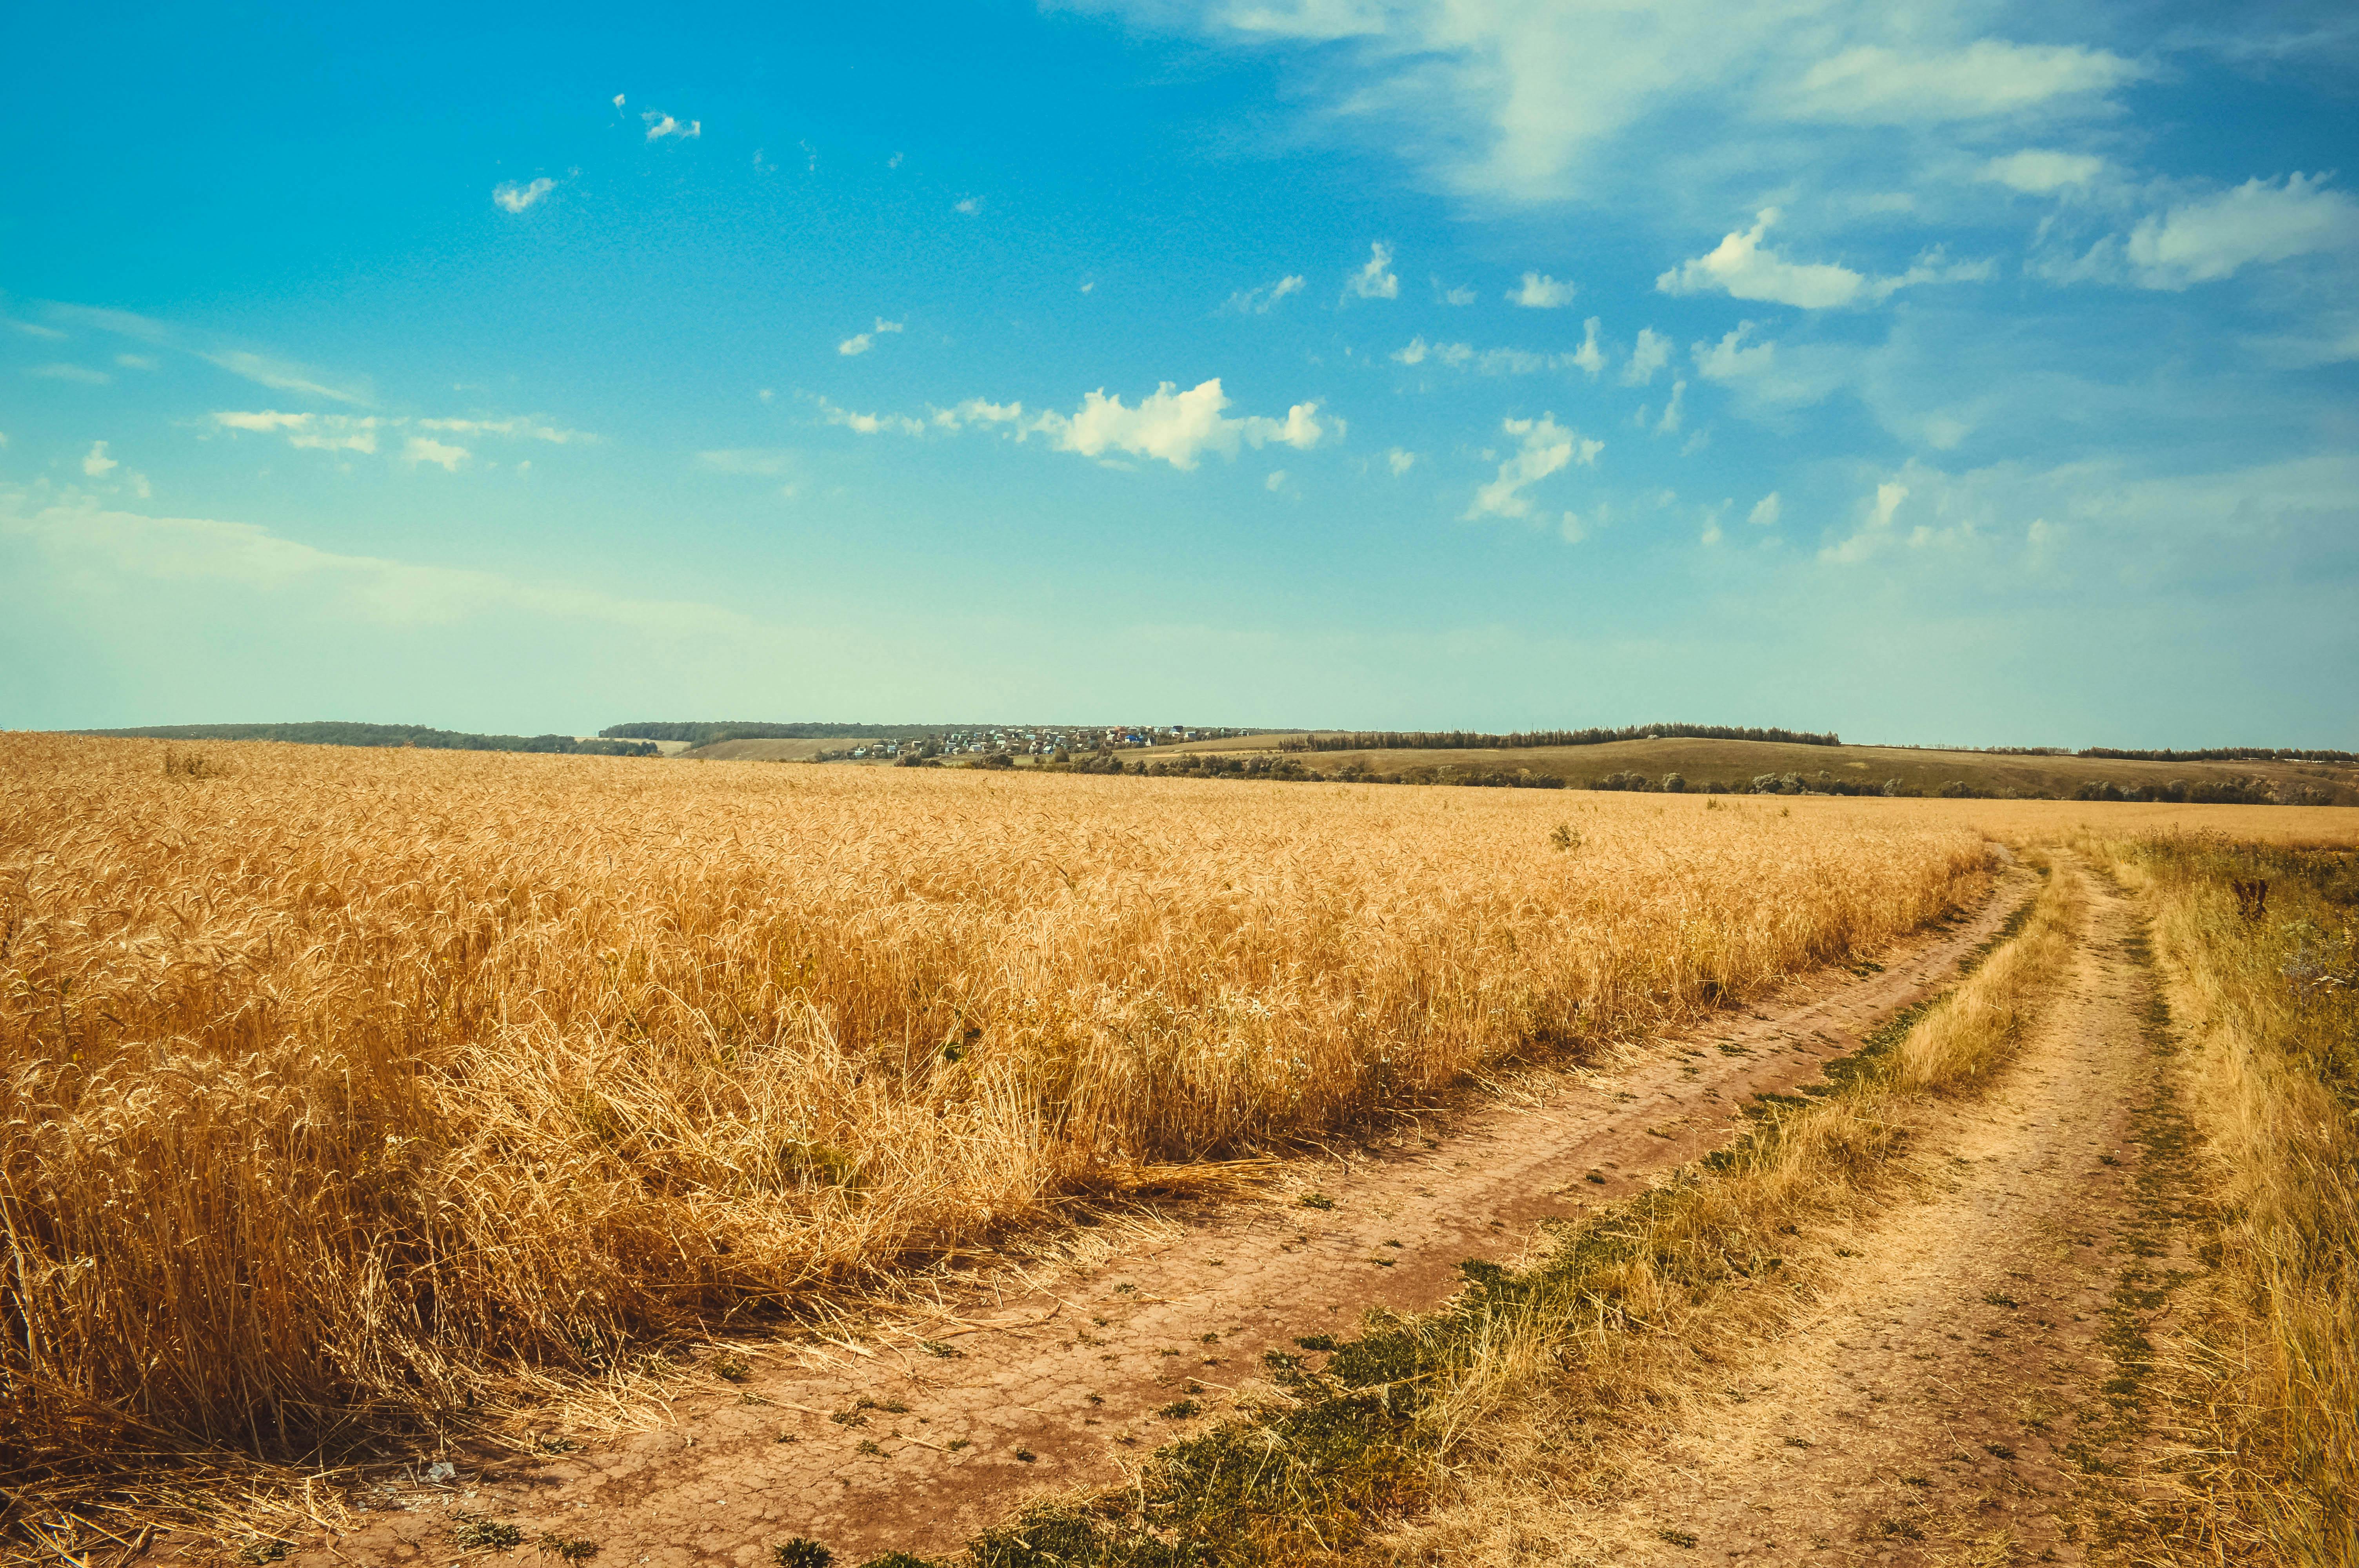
x=1965, y=373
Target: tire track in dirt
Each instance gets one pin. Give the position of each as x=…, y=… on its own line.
x=1057, y=1380
x=1938, y=1401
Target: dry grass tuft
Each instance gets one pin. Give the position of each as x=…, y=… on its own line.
x=2263, y=1384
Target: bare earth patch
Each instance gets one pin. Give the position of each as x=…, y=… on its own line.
x=1935, y=1402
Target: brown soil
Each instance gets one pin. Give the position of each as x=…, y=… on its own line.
x=1933, y=1404
x=922, y=1432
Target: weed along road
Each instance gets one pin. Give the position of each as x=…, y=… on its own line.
x=917, y=1430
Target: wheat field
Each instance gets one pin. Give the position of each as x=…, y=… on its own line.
x=341, y=1085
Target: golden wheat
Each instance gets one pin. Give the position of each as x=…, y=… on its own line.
x=338, y=1081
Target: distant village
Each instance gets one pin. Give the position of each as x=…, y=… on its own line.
x=1022, y=742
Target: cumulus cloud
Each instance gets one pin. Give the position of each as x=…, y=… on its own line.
x=1399, y=461
x=2037, y=171
x=1376, y=280
x=661, y=125
x=2258, y=222
x=1541, y=292
x=1276, y=480
x=1257, y=301
x=1650, y=353
x=1766, y=511
x=1177, y=426
x=1732, y=358
x=1744, y=268
x=1873, y=85
x=426, y=450
x=95, y=463
x=1461, y=295
x=970, y=205
x=860, y=344
x=1669, y=424
x=1589, y=357
x=1543, y=446
x=508, y=196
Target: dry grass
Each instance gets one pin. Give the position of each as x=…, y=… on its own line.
x=2263, y=1385
x=344, y=1091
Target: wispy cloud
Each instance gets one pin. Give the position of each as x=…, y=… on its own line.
x=1376, y=280
x=1168, y=424
x=1257, y=301
x=2037, y=171
x=861, y=343
x=34, y=329
x=510, y=197
x=358, y=433
x=1483, y=362
x=62, y=371
x=2259, y=222
x=420, y=449
x=1543, y=446
x=970, y=205
x=1877, y=86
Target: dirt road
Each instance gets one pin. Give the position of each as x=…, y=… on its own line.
x=921, y=1432
x=1978, y=1351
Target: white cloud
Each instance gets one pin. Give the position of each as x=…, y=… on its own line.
x=978, y=411
x=870, y=424
x=1541, y=292
x=2258, y=222
x=1178, y=427
x=79, y=535
x=1276, y=480
x=426, y=450
x=1876, y=531
x=95, y=463
x=660, y=126
x=1729, y=359
x=970, y=205
x=618, y=100
x=1650, y=353
x=1484, y=361
x=280, y=376
x=1461, y=295
x=34, y=329
x=1400, y=461
x=1670, y=423
x=1543, y=447
x=1257, y=301
x=1766, y=511
x=72, y=372
x=320, y=432
x=510, y=197
x=1376, y=280
x=1742, y=268
x=136, y=362
x=1589, y=356
x=1874, y=85
x=860, y=344
x=517, y=426
x=2037, y=171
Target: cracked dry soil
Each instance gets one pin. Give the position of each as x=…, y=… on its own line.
x=1976, y=1354
x=1057, y=1378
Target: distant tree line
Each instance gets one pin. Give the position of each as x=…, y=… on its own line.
x=2224, y=754
x=1472, y=740
x=338, y=733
